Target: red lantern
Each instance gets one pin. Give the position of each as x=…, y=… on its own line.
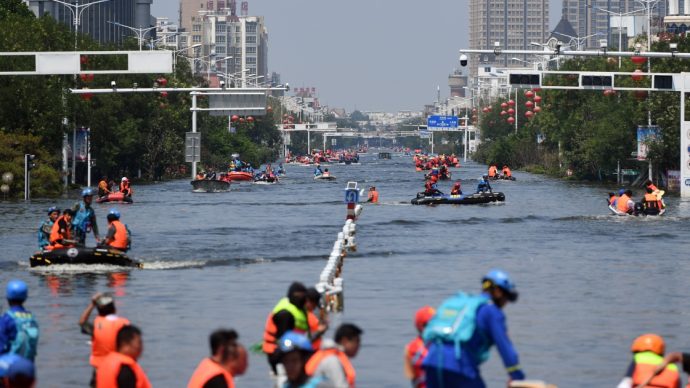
x=242, y=120
x=537, y=89
x=485, y=110
x=284, y=121
x=511, y=102
x=164, y=94
x=529, y=104
x=270, y=109
x=235, y=118
x=511, y=120
x=285, y=116
x=537, y=109
x=474, y=110
x=529, y=113
x=291, y=118
x=285, y=127
x=638, y=78
x=638, y=60
x=504, y=113
x=86, y=77
x=504, y=105
x=511, y=111
x=537, y=98
x=529, y=94
x=162, y=81
x=474, y=117
x=250, y=118
x=491, y=107
x=84, y=59
x=611, y=61
x=86, y=96
x=640, y=94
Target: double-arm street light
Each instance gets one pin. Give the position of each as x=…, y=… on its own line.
x=620, y=25
x=77, y=10
x=179, y=51
x=139, y=31
x=578, y=41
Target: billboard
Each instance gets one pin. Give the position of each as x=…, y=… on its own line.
x=81, y=148
x=645, y=136
x=673, y=179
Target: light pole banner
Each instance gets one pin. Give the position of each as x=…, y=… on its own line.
x=645, y=136
x=81, y=148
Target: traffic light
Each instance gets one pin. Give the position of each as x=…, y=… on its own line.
x=525, y=80
x=604, y=81
x=29, y=158
x=663, y=81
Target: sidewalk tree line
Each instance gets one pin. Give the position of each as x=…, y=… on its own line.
x=588, y=131
x=129, y=132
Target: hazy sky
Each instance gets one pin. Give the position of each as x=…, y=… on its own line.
x=370, y=55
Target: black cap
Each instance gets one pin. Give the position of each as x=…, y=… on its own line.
x=313, y=295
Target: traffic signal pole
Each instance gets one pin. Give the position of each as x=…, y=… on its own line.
x=28, y=166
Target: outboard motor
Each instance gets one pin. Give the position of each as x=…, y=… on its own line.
x=639, y=208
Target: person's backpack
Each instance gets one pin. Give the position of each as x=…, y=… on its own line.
x=455, y=322
x=26, y=341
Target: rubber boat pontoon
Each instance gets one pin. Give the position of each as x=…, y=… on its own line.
x=325, y=177
x=82, y=255
x=114, y=197
x=639, y=211
x=240, y=176
x=501, y=177
x=440, y=177
x=209, y=186
x=465, y=199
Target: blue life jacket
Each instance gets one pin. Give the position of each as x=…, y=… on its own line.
x=26, y=340
x=312, y=383
x=43, y=240
x=455, y=322
x=82, y=220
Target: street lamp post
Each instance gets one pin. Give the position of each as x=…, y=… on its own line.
x=620, y=25
x=175, y=57
x=139, y=31
x=579, y=41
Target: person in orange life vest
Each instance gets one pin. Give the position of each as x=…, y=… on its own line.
x=103, y=187
x=651, y=185
x=61, y=235
x=456, y=189
x=415, y=351
x=125, y=188
x=103, y=330
x=612, y=200
x=431, y=188
x=117, y=236
x=288, y=314
x=651, y=201
x=648, y=353
x=506, y=172
x=373, y=195
x=119, y=369
x=333, y=360
x=625, y=203
x=657, y=192
x=228, y=359
x=316, y=327
x=671, y=358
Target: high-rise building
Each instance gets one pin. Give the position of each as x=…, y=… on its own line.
x=595, y=25
x=511, y=23
x=94, y=19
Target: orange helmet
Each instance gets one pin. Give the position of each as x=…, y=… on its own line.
x=457, y=185
x=649, y=343
x=434, y=178
x=423, y=316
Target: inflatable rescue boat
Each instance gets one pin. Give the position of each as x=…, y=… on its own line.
x=464, y=199
x=240, y=176
x=503, y=177
x=325, y=177
x=209, y=186
x=440, y=177
x=639, y=211
x=114, y=197
x=82, y=255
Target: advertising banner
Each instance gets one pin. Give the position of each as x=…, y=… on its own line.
x=645, y=136
x=81, y=147
x=673, y=179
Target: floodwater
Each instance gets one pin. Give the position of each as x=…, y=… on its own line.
x=589, y=282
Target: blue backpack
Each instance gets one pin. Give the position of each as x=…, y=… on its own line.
x=455, y=322
x=26, y=341
x=43, y=240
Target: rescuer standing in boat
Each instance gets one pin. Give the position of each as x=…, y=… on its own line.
x=84, y=218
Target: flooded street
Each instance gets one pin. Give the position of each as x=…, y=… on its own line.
x=589, y=283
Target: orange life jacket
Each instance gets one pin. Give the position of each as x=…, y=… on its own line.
x=103, y=185
x=125, y=186
x=319, y=356
x=120, y=238
x=651, y=186
x=414, y=347
x=612, y=200
x=270, y=332
x=207, y=370
x=56, y=235
x=374, y=196
x=106, y=375
x=313, y=322
x=455, y=191
x=492, y=171
x=104, y=338
x=506, y=172
x=623, y=203
x=668, y=378
x=652, y=201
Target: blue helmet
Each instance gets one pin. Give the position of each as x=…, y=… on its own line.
x=114, y=212
x=292, y=340
x=485, y=176
x=17, y=290
x=501, y=279
x=87, y=191
x=14, y=365
x=621, y=192
x=53, y=209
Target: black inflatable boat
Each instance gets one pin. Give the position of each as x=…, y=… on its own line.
x=82, y=255
x=465, y=199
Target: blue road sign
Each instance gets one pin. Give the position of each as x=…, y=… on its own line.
x=442, y=123
x=351, y=196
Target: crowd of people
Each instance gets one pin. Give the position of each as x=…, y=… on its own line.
x=452, y=342
x=423, y=162
x=270, y=174
x=318, y=156
x=71, y=228
x=504, y=174
x=651, y=203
